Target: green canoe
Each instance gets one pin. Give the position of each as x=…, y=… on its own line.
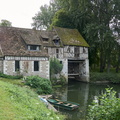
x=63, y=104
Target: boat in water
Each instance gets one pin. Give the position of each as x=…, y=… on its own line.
x=63, y=104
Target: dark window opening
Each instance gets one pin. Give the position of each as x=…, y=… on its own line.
x=57, y=42
x=60, y=62
x=76, y=51
x=45, y=39
x=36, y=65
x=57, y=53
x=84, y=51
x=68, y=50
x=17, y=65
x=34, y=47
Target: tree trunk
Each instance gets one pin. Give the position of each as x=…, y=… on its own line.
x=101, y=62
x=108, y=65
x=118, y=63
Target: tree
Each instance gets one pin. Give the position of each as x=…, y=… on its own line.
x=5, y=23
x=115, y=26
x=43, y=19
x=62, y=19
x=101, y=16
x=99, y=23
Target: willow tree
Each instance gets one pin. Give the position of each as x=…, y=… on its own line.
x=5, y=23
x=43, y=19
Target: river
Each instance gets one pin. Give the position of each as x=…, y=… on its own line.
x=82, y=93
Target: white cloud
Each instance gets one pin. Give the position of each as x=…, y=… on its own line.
x=20, y=12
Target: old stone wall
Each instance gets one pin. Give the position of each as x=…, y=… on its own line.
x=84, y=71
x=64, y=71
x=8, y=67
x=1, y=66
x=27, y=68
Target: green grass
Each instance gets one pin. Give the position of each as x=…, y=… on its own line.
x=20, y=103
x=13, y=81
x=97, y=69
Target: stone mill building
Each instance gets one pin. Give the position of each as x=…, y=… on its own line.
x=28, y=52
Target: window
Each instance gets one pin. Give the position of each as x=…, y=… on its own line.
x=45, y=40
x=57, y=42
x=34, y=47
x=46, y=50
x=17, y=65
x=36, y=65
x=76, y=51
x=84, y=50
x=60, y=62
x=68, y=50
x=57, y=53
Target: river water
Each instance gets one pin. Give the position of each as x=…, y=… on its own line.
x=82, y=93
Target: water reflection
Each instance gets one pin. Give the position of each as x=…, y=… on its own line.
x=82, y=93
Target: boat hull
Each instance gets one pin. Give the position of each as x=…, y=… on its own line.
x=63, y=104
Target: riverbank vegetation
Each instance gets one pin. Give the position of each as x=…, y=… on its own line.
x=41, y=85
x=104, y=77
x=20, y=103
x=105, y=107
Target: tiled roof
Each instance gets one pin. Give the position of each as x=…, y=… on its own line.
x=13, y=44
x=71, y=37
x=14, y=41
x=30, y=37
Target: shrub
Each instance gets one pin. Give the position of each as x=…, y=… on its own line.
x=42, y=85
x=112, y=77
x=55, y=70
x=10, y=76
x=58, y=81
x=55, y=66
x=107, y=107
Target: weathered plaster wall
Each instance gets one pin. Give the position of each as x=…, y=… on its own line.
x=1, y=66
x=84, y=70
x=8, y=67
x=27, y=69
x=68, y=53
x=44, y=69
x=64, y=71
x=52, y=52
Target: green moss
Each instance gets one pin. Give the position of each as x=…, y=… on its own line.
x=19, y=103
x=71, y=37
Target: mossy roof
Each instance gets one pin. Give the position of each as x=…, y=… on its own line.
x=71, y=37
x=30, y=37
x=13, y=42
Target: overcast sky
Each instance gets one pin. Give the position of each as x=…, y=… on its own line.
x=20, y=12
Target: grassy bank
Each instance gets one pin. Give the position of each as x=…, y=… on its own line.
x=20, y=103
x=111, y=77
